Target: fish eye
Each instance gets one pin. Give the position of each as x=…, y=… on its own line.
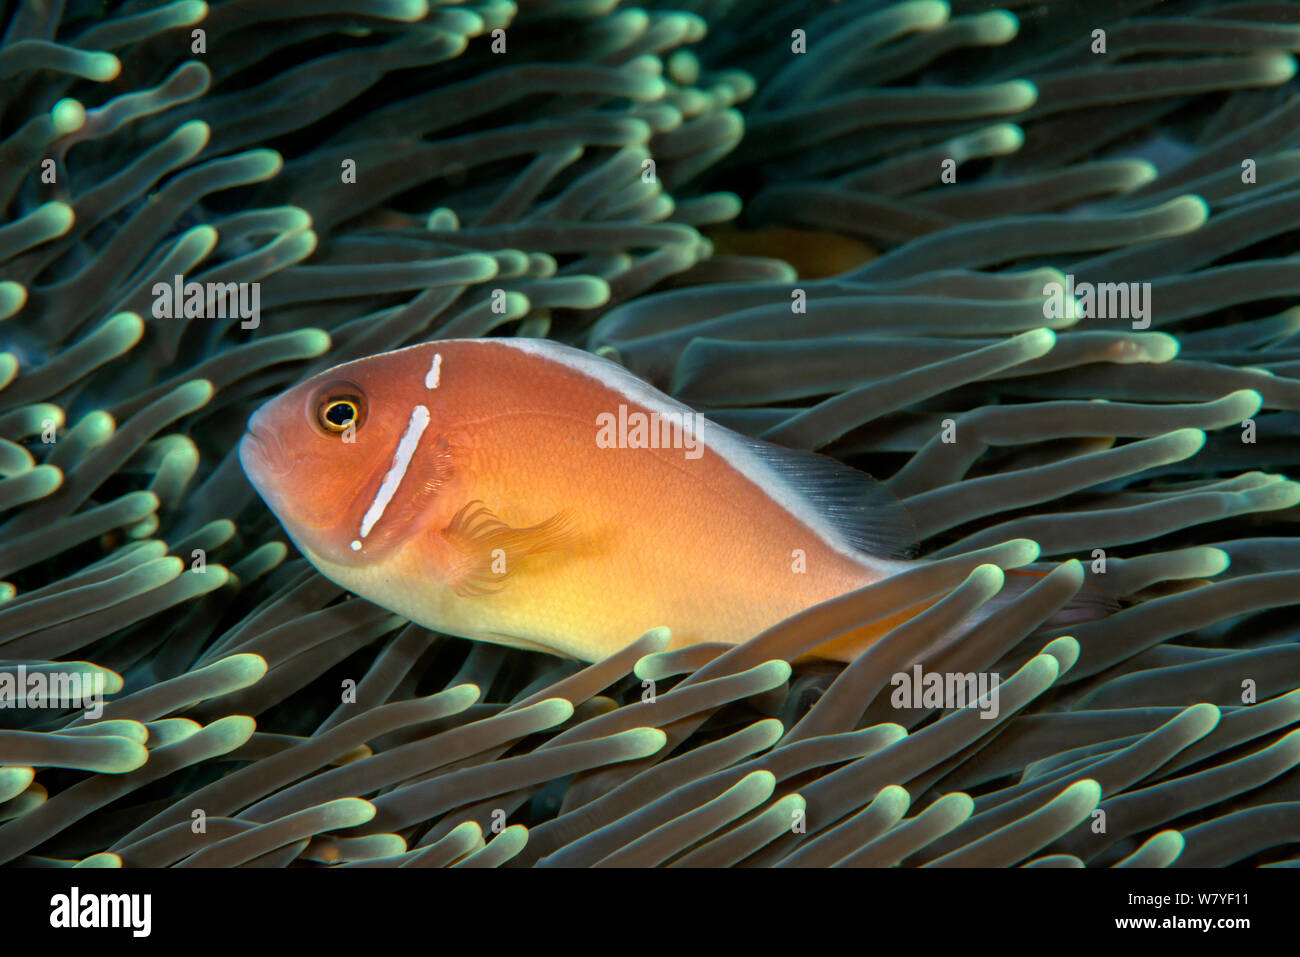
x=337, y=413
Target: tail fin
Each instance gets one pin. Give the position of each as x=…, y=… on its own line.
x=1090, y=603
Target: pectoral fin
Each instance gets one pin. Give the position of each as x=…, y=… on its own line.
x=490, y=551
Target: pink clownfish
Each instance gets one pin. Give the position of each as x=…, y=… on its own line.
x=527, y=493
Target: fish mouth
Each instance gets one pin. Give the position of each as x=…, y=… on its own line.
x=261, y=454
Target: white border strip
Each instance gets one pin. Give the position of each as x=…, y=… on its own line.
x=396, y=472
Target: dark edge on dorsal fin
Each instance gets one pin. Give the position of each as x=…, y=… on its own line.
x=867, y=516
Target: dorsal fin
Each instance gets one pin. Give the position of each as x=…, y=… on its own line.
x=851, y=510
x=863, y=512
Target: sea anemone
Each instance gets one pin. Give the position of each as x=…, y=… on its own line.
x=895, y=233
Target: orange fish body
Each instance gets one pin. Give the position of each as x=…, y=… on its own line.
x=530, y=494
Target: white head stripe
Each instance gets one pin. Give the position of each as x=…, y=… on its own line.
x=435, y=371
x=397, y=471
